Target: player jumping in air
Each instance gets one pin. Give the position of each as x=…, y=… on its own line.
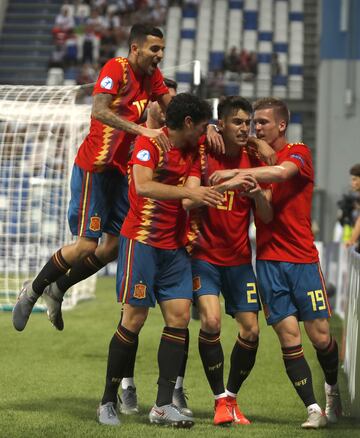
x=99, y=186
x=221, y=261
x=290, y=280
x=153, y=264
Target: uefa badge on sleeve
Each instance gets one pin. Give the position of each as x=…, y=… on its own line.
x=107, y=83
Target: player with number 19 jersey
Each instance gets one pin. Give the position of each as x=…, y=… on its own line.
x=290, y=238
x=107, y=147
x=289, y=274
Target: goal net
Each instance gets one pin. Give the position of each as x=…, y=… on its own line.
x=40, y=130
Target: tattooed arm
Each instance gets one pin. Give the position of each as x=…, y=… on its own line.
x=102, y=112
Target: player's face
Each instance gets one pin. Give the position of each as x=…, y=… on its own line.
x=266, y=125
x=355, y=183
x=235, y=128
x=155, y=110
x=149, y=54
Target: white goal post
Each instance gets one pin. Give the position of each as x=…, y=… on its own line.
x=41, y=128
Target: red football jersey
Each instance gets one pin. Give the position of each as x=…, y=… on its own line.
x=288, y=238
x=220, y=235
x=109, y=147
x=162, y=224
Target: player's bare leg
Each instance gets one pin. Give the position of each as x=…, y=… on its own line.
x=326, y=348
x=212, y=355
x=176, y=314
x=242, y=360
x=121, y=348
x=298, y=370
x=57, y=266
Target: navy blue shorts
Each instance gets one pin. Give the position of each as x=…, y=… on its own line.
x=99, y=202
x=292, y=289
x=236, y=283
x=146, y=274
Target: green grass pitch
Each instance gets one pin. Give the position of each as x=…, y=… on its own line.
x=51, y=382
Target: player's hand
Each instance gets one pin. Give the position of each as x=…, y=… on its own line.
x=265, y=151
x=206, y=196
x=243, y=182
x=222, y=175
x=159, y=136
x=249, y=187
x=215, y=140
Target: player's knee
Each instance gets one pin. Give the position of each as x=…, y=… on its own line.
x=321, y=341
x=108, y=250
x=211, y=324
x=249, y=332
x=85, y=247
x=178, y=319
x=134, y=323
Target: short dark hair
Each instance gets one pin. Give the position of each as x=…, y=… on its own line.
x=229, y=104
x=183, y=105
x=355, y=170
x=170, y=83
x=140, y=31
x=280, y=108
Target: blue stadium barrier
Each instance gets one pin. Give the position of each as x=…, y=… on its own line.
x=189, y=34
x=265, y=36
x=279, y=80
x=296, y=16
x=216, y=60
x=295, y=70
x=236, y=4
x=250, y=20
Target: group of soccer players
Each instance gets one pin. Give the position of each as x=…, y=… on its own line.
x=182, y=209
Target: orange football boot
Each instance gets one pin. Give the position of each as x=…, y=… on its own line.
x=222, y=415
x=238, y=416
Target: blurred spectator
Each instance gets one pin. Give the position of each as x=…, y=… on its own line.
x=275, y=65
x=107, y=47
x=232, y=61
x=64, y=21
x=96, y=22
x=244, y=61
x=71, y=50
x=253, y=63
x=57, y=56
x=88, y=45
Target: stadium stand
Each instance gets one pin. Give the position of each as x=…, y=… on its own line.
x=26, y=41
